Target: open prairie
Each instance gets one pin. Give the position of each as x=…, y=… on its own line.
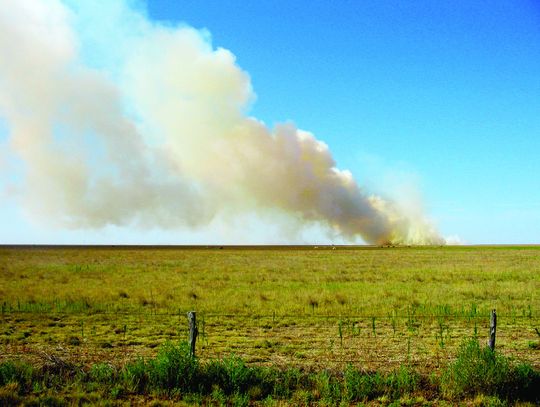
x=311, y=307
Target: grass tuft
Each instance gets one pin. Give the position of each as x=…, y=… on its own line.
x=14, y=371
x=173, y=368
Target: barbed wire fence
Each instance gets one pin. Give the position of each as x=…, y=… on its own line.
x=371, y=341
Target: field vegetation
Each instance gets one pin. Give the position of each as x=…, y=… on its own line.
x=374, y=318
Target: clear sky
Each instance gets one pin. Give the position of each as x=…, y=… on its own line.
x=443, y=95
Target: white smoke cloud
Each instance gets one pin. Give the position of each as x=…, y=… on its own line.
x=59, y=111
x=123, y=121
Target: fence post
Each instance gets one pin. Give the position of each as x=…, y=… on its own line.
x=193, y=331
x=492, y=330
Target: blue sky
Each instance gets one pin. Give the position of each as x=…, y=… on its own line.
x=442, y=94
x=449, y=91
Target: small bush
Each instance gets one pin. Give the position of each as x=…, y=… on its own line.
x=480, y=370
x=173, y=368
x=475, y=371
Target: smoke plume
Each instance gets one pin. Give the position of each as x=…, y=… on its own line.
x=121, y=121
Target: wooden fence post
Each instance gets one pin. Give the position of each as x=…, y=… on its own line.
x=492, y=330
x=193, y=331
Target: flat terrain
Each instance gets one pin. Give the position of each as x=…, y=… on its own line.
x=305, y=306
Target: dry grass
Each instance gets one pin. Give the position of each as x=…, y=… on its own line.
x=375, y=307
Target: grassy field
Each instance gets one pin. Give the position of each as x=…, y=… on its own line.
x=309, y=307
x=301, y=305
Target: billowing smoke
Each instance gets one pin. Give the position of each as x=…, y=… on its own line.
x=121, y=121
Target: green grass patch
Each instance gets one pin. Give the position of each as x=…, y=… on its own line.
x=479, y=370
x=175, y=375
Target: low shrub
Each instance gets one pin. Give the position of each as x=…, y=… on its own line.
x=173, y=368
x=480, y=371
